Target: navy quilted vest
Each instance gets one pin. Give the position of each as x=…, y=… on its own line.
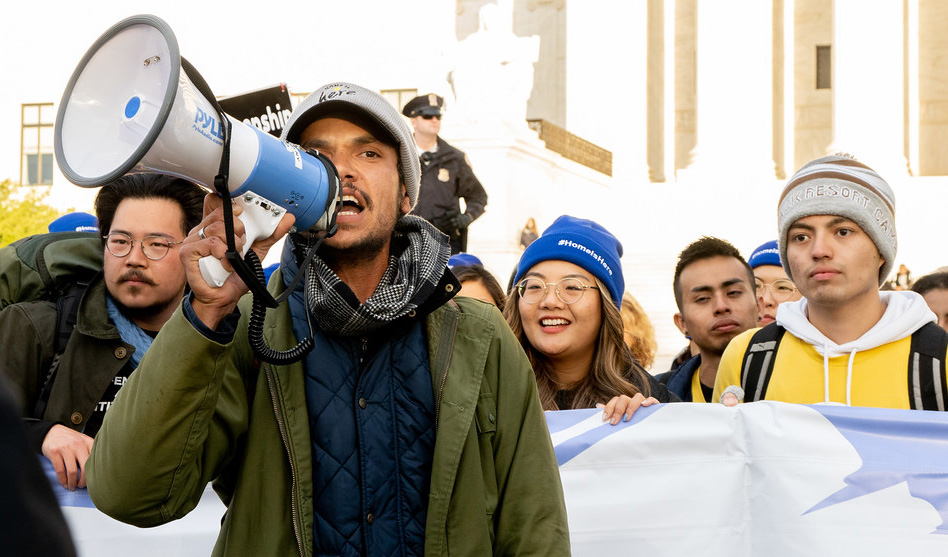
x=371, y=413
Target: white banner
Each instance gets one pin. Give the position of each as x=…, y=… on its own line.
x=95, y=534
x=765, y=478
x=762, y=479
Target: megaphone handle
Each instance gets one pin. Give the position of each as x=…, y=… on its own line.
x=212, y=271
x=260, y=217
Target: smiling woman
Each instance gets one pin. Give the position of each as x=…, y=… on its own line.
x=565, y=311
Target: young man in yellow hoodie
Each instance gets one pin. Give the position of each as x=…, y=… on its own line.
x=845, y=342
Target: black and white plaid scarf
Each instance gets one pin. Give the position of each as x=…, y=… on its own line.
x=419, y=258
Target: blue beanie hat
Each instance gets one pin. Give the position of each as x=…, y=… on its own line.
x=767, y=254
x=463, y=259
x=268, y=270
x=75, y=222
x=580, y=242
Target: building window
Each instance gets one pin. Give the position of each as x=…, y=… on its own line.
x=824, y=67
x=399, y=97
x=297, y=98
x=36, y=144
x=39, y=169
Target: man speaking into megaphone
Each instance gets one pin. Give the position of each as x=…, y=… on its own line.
x=397, y=434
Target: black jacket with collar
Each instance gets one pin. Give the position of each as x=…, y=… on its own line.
x=447, y=177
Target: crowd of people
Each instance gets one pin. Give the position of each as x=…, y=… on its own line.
x=415, y=423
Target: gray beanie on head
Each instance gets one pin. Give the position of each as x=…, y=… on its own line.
x=839, y=185
x=348, y=97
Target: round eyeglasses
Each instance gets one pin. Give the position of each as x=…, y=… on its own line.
x=154, y=247
x=781, y=289
x=568, y=290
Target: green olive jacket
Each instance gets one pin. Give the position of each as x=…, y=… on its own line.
x=197, y=411
x=93, y=356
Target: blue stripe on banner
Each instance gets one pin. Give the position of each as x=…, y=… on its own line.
x=573, y=446
x=562, y=419
x=895, y=447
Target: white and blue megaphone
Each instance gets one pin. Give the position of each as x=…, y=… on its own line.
x=129, y=107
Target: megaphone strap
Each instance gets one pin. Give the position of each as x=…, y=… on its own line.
x=252, y=273
x=256, y=284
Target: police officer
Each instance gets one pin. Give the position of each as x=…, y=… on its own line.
x=446, y=175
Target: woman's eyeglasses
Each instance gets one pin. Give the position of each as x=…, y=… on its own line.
x=568, y=290
x=781, y=289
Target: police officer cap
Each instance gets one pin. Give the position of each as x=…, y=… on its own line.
x=424, y=105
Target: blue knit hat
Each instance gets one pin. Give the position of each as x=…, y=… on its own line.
x=767, y=254
x=580, y=242
x=464, y=259
x=75, y=222
x=268, y=270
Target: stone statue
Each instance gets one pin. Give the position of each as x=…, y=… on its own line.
x=493, y=71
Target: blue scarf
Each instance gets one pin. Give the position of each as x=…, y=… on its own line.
x=130, y=332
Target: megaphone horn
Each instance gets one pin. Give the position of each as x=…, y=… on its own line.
x=129, y=107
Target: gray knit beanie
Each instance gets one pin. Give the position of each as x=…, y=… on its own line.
x=839, y=185
x=348, y=97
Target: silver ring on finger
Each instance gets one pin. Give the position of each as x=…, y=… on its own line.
x=201, y=233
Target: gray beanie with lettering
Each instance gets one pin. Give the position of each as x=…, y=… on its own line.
x=840, y=185
x=335, y=98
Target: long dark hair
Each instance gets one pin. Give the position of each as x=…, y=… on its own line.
x=614, y=370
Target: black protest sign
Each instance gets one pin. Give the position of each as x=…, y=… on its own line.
x=266, y=109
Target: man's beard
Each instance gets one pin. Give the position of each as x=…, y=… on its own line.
x=366, y=249
x=144, y=312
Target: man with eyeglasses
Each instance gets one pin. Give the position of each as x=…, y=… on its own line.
x=142, y=219
x=844, y=342
x=771, y=282
x=446, y=175
x=714, y=290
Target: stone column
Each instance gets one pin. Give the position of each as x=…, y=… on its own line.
x=868, y=83
x=734, y=90
x=609, y=108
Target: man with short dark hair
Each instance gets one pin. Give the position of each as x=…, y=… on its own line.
x=142, y=218
x=413, y=427
x=714, y=290
x=446, y=175
x=844, y=342
x=934, y=289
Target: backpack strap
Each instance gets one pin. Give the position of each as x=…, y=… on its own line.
x=758, y=363
x=39, y=267
x=67, y=310
x=926, y=368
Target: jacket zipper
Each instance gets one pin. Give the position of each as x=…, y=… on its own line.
x=289, y=457
x=444, y=379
